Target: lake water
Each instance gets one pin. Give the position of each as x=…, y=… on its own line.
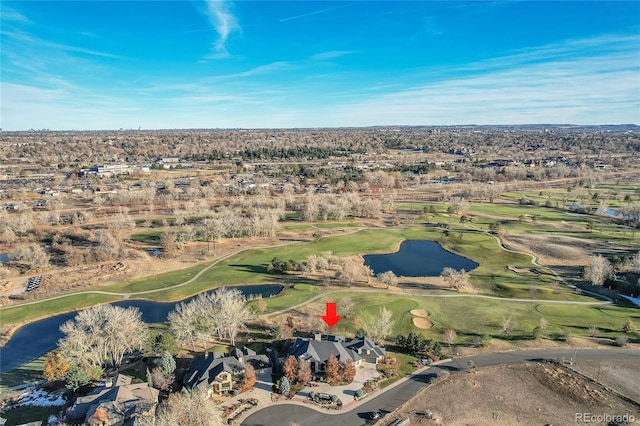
x=418, y=258
x=39, y=337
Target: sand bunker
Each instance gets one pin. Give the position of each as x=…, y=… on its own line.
x=422, y=323
x=420, y=313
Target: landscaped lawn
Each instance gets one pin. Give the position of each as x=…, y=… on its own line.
x=26, y=373
x=29, y=413
x=405, y=362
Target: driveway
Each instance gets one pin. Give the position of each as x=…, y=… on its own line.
x=262, y=390
x=386, y=401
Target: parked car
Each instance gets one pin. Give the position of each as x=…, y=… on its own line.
x=375, y=415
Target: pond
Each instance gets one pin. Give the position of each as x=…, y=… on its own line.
x=39, y=337
x=418, y=258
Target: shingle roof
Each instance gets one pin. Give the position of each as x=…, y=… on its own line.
x=320, y=350
x=207, y=369
x=118, y=402
x=363, y=344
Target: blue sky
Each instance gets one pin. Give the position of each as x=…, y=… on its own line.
x=221, y=64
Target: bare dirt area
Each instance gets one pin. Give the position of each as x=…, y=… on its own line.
x=621, y=376
x=553, y=250
x=515, y=395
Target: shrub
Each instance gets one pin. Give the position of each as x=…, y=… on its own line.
x=622, y=341
x=537, y=332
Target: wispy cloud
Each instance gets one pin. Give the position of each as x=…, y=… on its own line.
x=315, y=12
x=28, y=40
x=11, y=15
x=555, y=83
x=219, y=14
x=330, y=55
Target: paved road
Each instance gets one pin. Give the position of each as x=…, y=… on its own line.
x=386, y=402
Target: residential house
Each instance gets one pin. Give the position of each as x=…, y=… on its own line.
x=116, y=403
x=222, y=373
x=318, y=350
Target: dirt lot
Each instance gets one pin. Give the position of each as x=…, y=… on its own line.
x=621, y=376
x=516, y=395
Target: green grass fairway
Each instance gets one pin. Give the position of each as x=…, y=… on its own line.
x=157, y=281
x=250, y=267
x=550, y=221
x=17, y=314
x=474, y=317
x=290, y=296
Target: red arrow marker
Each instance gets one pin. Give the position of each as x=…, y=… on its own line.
x=331, y=318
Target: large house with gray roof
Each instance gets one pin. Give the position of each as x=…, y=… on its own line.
x=318, y=350
x=221, y=373
x=119, y=402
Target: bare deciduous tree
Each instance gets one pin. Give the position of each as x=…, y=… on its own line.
x=222, y=313
x=543, y=323
x=598, y=270
x=32, y=256
x=506, y=326
x=450, y=336
x=102, y=335
x=346, y=306
x=378, y=327
x=184, y=323
x=456, y=279
x=189, y=409
x=161, y=380
x=388, y=278
x=458, y=204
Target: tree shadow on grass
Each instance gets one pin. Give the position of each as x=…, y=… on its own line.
x=256, y=269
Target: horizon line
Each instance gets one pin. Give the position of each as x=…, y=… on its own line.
x=140, y=129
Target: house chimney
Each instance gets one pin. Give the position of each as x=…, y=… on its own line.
x=317, y=336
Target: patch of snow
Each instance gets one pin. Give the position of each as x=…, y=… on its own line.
x=41, y=398
x=633, y=300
